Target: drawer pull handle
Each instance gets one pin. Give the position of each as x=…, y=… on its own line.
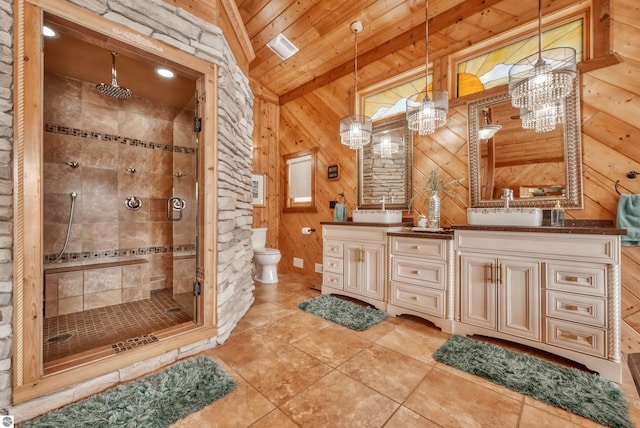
x=416, y=247
x=570, y=307
x=415, y=272
x=332, y=265
x=572, y=278
x=414, y=297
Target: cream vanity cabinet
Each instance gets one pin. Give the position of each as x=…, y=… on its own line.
x=555, y=291
x=422, y=277
x=354, y=261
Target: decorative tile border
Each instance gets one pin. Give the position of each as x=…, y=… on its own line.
x=120, y=252
x=127, y=344
x=93, y=135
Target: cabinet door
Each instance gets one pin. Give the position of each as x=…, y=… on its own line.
x=353, y=259
x=373, y=271
x=479, y=291
x=519, y=298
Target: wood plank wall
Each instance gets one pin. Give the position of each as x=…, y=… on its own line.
x=611, y=147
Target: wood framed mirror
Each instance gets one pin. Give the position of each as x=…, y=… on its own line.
x=540, y=168
x=384, y=173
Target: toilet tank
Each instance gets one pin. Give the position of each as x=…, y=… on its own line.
x=259, y=237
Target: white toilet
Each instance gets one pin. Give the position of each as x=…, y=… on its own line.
x=265, y=260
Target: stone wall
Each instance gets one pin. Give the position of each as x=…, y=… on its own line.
x=178, y=28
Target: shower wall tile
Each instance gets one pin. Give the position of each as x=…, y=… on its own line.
x=102, y=237
x=137, y=184
x=70, y=305
x=100, y=154
x=184, y=269
x=98, y=118
x=59, y=178
x=100, y=209
x=54, y=237
x=57, y=207
x=161, y=234
x=161, y=186
x=157, y=209
x=61, y=99
x=161, y=270
x=69, y=284
x=58, y=148
x=162, y=163
x=102, y=299
x=133, y=235
x=135, y=275
x=135, y=294
x=100, y=280
x=134, y=157
x=99, y=181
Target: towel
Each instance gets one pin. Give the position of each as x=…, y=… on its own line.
x=629, y=218
x=340, y=212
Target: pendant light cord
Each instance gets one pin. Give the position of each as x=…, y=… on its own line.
x=539, y=30
x=355, y=73
x=426, y=50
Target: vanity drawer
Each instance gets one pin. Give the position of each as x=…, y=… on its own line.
x=577, y=337
x=434, y=249
x=331, y=279
x=419, y=272
x=427, y=300
x=332, y=264
x=577, y=278
x=333, y=249
x=577, y=307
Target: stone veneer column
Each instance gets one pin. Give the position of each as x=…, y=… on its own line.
x=178, y=28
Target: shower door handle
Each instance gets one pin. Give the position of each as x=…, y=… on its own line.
x=175, y=204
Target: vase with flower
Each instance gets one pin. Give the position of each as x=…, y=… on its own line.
x=430, y=194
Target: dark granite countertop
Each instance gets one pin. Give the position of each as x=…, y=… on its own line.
x=588, y=227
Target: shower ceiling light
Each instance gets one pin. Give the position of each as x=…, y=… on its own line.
x=427, y=110
x=48, y=31
x=165, y=72
x=355, y=131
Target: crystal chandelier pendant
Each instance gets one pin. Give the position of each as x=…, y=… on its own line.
x=427, y=113
x=427, y=110
x=355, y=131
x=386, y=144
x=545, y=119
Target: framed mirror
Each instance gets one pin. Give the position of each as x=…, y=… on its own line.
x=540, y=167
x=384, y=166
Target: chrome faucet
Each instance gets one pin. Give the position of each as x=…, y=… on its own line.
x=383, y=201
x=507, y=195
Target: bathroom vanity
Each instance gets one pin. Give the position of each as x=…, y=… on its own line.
x=552, y=288
x=555, y=289
x=355, y=261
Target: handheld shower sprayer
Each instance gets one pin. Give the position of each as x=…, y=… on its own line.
x=73, y=196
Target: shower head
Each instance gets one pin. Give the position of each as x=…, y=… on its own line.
x=113, y=90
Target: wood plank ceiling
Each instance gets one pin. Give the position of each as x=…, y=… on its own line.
x=394, y=34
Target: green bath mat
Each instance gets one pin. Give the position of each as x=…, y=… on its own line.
x=573, y=390
x=157, y=400
x=342, y=312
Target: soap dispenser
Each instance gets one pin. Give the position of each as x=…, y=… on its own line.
x=557, y=215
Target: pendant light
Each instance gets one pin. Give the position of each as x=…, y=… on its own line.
x=355, y=131
x=487, y=130
x=387, y=143
x=427, y=110
x=540, y=82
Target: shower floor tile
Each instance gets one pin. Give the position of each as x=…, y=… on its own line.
x=78, y=332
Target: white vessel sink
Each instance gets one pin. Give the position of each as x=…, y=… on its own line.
x=505, y=216
x=377, y=216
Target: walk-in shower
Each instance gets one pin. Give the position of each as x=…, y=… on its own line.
x=120, y=269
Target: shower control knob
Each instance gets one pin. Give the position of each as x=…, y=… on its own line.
x=133, y=203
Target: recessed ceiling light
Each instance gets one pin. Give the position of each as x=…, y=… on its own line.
x=165, y=72
x=282, y=46
x=48, y=32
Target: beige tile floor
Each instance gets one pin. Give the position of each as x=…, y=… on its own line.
x=294, y=369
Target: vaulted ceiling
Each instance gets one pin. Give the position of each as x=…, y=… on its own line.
x=393, y=35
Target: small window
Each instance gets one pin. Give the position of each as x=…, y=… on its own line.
x=300, y=180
